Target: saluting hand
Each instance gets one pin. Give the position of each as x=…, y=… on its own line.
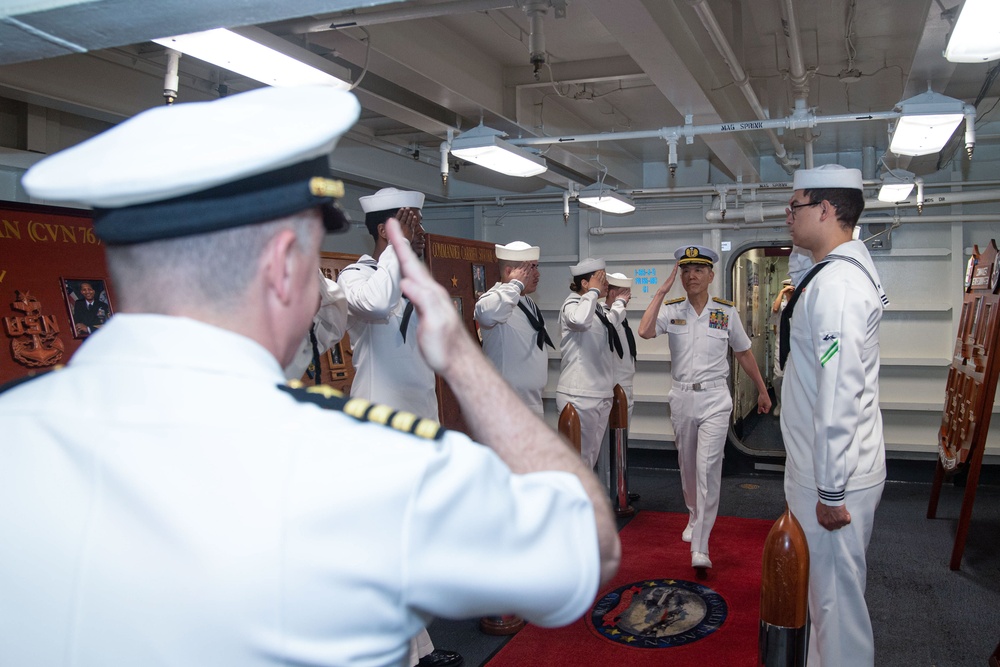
x=521, y=273
x=440, y=333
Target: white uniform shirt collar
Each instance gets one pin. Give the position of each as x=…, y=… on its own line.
x=162, y=340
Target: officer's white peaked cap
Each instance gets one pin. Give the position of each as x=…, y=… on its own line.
x=197, y=167
x=695, y=254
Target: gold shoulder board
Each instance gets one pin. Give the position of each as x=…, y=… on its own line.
x=363, y=410
x=722, y=301
x=677, y=300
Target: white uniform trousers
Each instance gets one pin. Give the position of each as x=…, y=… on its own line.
x=594, y=413
x=420, y=646
x=841, y=629
x=701, y=424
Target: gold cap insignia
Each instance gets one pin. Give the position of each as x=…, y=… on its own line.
x=326, y=187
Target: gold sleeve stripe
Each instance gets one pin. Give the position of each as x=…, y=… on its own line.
x=380, y=414
x=427, y=428
x=357, y=407
x=403, y=421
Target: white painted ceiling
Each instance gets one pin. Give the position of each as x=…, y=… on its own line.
x=611, y=66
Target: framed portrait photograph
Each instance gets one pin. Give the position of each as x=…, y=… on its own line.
x=478, y=279
x=88, y=303
x=457, y=300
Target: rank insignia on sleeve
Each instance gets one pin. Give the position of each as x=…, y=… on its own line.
x=830, y=352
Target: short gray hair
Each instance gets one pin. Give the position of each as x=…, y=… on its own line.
x=207, y=269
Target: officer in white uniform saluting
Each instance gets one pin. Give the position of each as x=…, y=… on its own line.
x=198, y=510
x=830, y=419
x=589, y=342
x=701, y=332
x=512, y=326
x=388, y=366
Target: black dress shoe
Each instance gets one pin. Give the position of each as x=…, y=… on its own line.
x=441, y=658
x=633, y=497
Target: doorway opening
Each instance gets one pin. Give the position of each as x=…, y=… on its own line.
x=754, y=279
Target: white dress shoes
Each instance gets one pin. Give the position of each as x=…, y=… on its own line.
x=686, y=535
x=700, y=560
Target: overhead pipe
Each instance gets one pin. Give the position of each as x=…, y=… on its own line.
x=400, y=14
x=755, y=212
x=741, y=79
x=797, y=72
x=793, y=122
x=700, y=227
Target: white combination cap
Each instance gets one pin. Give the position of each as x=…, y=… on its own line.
x=200, y=167
x=391, y=199
x=619, y=280
x=695, y=254
x=827, y=176
x=518, y=251
x=588, y=265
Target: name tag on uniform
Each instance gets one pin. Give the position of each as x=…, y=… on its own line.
x=717, y=319
x=678, y=321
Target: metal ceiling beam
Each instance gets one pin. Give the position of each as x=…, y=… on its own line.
x=631, y=23
x=35, y=29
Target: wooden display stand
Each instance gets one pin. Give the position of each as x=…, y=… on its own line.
x=971, y=388
x=465, y=268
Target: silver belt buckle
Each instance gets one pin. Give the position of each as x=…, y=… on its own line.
x=696, y=386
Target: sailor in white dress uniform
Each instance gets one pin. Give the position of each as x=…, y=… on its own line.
x=589, y=341
x=512, y=326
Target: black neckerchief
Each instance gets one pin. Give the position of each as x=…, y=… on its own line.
x=407, y=312
x=785, y=329
x=538, y=324
x=614, y=340
x=630, y=337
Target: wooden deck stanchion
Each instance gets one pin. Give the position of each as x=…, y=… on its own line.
x=618, y=453
x=783, y=639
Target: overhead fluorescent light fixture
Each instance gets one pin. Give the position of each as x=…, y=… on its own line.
x=976, y=36
x=929, y=119
x=259, y=55
x=483, y=146
x=896, y=186
x=603, y=198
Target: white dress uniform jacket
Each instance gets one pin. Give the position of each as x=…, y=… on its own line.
x=511, y=343
x=699, y=345
x=163, y=501
x=832, y=429
x=833, y=426
x=387, y=369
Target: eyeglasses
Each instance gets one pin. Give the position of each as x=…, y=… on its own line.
x=791, y=208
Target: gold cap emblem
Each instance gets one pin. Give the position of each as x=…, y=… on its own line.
x=326, y=187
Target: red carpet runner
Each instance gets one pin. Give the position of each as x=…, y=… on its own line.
x=652, y=550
